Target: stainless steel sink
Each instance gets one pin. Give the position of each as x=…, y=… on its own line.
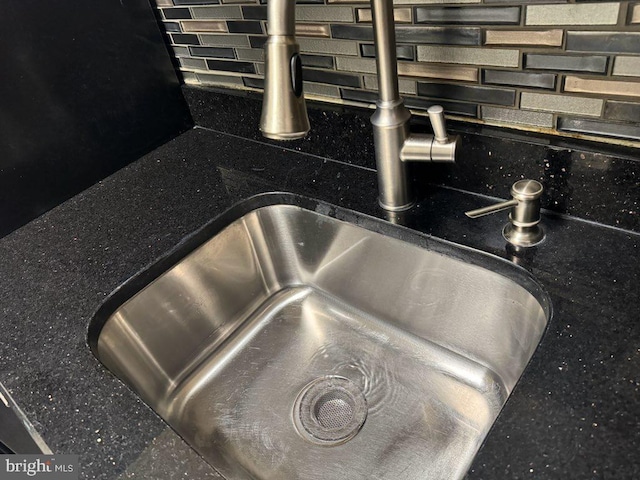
x=286, y=343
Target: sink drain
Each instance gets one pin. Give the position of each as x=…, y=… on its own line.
x=330, y=410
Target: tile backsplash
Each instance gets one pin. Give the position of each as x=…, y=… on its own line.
x=558, y=67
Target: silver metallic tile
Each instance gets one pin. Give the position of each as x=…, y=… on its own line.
x=250, y=54
x=216, y=26
x=195, y=63
x=627, y=67
x=573, y=14
x=321, y=90
x=469, y=56
x=550, y=38
x=221, y=80
x=400, y=15
x=520, y=117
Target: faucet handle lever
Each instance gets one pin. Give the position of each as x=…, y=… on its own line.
x=436, y=116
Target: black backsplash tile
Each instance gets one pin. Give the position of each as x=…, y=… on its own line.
x=413, y=34
x=253, y=82
x=403, y=52
x=321, y=61
x=353, y=32
x=217, y=52
x=488, y=95
x=257, y=41
x=468, y=15
x=439, y=35
x=359, y=95
x=598, y=127
x=622, y=111
x=522, y=79
x=235, y=26
x=185, y=39
x=254, y=13
x=614, y=42
x=333, y=78
x=229, y=66
x=570, y=63
x=176, y=13
x=172, y=27
x=465, y=109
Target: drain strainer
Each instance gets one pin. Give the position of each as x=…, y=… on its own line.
x=330, y=410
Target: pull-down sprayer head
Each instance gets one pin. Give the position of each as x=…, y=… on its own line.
x=284, y=113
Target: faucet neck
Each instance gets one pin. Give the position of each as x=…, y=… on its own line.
x=281, y=17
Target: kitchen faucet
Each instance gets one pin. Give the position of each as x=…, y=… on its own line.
x=284, y=114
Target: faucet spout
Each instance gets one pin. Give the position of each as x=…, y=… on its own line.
x=284, y=114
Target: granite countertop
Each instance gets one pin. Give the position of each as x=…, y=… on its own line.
x=574, y=414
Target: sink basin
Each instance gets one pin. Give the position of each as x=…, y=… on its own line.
x=290, y=339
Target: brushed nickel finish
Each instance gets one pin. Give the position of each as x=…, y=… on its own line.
x=224, y=343
x=524, y=229
x=284, y=116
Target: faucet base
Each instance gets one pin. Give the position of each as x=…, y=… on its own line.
x=390, y=130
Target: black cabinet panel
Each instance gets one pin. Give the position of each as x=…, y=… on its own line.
x=86, y=87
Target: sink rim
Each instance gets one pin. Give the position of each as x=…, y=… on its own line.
x=141, y=279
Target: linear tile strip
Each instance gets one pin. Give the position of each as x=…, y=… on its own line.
x=627, y=66
x=400, y=15
x=561, y=103
x=573, y=14
x=551, y=38
x=204, y=26
x=520, y=117
x=469, y=56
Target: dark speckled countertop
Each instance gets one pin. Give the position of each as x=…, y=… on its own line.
x=574, y=414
